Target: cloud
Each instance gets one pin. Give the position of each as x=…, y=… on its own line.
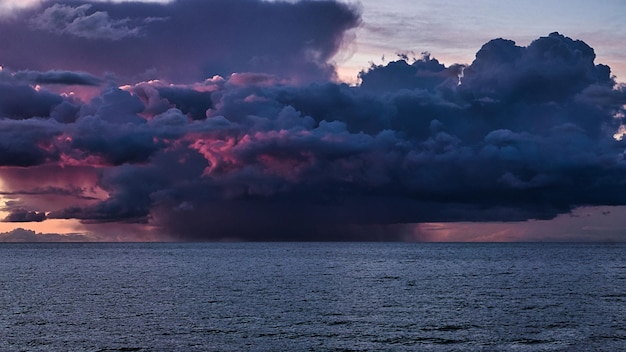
x=22, y=235
x=27, y=142
x=425, y=73
x=60, y=77
x=76, y=21
x=130, y=188
x=23, y=102
x=8, y=7
x=551, y=68
x=55, y=77
x=158, y=97
x=23, y=215
x=521, y=133
x=182, y=41
x=434, y=150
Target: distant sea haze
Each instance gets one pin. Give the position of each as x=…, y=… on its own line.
x=312, y=297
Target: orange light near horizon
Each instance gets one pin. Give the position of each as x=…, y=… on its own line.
x=56, y=226
x=60, y=226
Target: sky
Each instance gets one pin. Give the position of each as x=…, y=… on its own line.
x=453, y=31
x=197, y=120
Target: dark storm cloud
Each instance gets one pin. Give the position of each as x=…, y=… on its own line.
x=23, y=102
x=424, y=148
x=49, y=77
x=521, y=133
x=130, y=188
x=50, y=190
x=551, y=68
x=27, y=142
x=185, y=40
x=24, y=215
x=61, y=77
x=114, y=132
x=424, y=73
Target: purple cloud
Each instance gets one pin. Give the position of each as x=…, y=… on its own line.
x=75, y=21
x=183, y=41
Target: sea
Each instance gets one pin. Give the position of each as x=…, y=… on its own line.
x=313, y=297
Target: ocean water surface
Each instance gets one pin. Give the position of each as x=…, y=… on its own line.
x=312, y=297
